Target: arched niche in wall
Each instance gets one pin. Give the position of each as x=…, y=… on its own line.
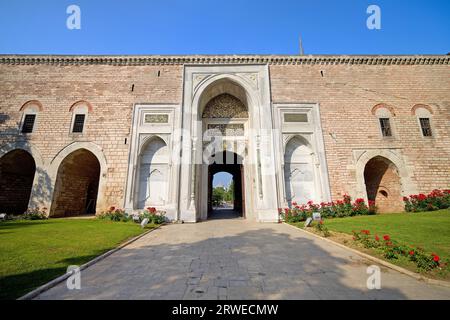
x=300, y=184
x=153, y=173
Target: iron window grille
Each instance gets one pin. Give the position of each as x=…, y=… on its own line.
x=426, y=127
x=78, y=123
x=28, y=123
x=385, y=127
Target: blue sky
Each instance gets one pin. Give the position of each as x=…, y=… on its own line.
x=222, y=179
x=224, y=27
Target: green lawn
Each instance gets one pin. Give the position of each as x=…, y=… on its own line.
x=429, y=230
x=35, y=252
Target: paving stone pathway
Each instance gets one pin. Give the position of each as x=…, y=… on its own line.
x=237, y=259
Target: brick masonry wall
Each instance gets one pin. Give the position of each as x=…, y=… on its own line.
x=106, y=88
x=347, y=94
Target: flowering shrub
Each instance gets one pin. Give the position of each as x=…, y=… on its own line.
x=153, y=215
x=35, y=214
x=114, y=214
x=320, y=227
x=393, y=250
x=339, y=209
x=435, y=200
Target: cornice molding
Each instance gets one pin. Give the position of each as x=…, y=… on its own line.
x=224, y=59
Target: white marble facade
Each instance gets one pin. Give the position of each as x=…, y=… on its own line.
x=280, y=146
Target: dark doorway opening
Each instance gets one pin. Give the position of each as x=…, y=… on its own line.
x=17, y=170
x=231, y=163
x=76, y=187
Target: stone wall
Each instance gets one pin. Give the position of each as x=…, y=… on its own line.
x=345, y=92
x=110, y=91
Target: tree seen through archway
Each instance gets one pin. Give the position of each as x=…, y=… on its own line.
x=223, y=190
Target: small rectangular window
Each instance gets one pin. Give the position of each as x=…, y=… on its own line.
x=385, y=127
x=78, y=123
x=426, y=127
x=28, y=123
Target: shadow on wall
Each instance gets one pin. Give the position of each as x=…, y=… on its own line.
x=41, y=189
x=38, y=185
x=256, y=264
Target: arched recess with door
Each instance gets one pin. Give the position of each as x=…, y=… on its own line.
x=152, y=174
x=382, y=176
x=76, y=187
x=79, y=175
x=383, y=184
x=299, y=172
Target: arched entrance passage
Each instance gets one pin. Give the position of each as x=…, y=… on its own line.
x=76, y=187
x=224, y=115
x=383, y=185
x=17, y=170
x=231, y=163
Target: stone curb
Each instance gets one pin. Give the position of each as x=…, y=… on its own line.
x=380, y=261
x=33, y=294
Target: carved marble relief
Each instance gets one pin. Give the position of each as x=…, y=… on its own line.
x=230, y=130
x=156, y=118
x=225, y=106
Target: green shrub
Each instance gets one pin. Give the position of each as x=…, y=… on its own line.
x=35, y=214
x=153, y=215
x=320, y=227
x=393, y=250
x=435, y=200
x=339, y=209
x=114, y=214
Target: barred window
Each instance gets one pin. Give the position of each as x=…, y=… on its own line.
x=78, y=123
x=426, y=127
x=28, y=123
x=385, y=127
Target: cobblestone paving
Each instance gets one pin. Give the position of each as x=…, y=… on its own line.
x=237, y=259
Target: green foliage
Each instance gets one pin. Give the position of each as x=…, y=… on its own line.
x=393, y=250
x=154, y=216
x=35, y=214
x=435, y=200
x=115, y=214
x=321, y=228
x=221, y=195
x=339, y=209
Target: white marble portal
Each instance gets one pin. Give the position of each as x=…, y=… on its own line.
x=281, y=146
